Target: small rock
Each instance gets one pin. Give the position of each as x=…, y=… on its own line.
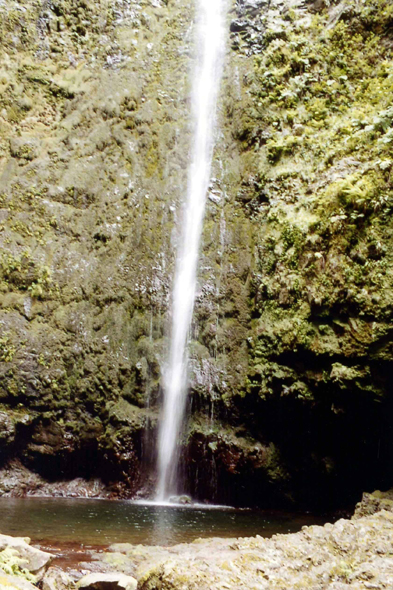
x=214, y=198
x=237, y=26
x=100, y=581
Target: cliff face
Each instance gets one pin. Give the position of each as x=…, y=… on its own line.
x=94, y=151
x=291, y=347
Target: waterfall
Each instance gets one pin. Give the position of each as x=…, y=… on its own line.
x=206, y=83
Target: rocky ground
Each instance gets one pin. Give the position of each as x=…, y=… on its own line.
x=352, y=554
x=18, y=481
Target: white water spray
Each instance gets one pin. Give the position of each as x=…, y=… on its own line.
x=211, y=16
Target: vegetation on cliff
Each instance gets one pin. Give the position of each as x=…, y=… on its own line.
x=315, y=130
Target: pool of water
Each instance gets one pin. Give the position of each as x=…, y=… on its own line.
x=103, y=522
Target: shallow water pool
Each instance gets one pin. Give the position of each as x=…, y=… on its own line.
x=103, y=522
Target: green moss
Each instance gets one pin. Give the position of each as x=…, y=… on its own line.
x=12, y=564
x=7, y=348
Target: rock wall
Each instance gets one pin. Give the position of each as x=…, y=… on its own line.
x=291, y=345
x=94, y=150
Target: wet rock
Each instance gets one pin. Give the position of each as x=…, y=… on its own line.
x=233, y=469
x=237, y=26
x=184, y=499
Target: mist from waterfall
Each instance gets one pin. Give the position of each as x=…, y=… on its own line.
x=210, y=45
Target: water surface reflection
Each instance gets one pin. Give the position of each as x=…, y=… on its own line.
x=103, y=522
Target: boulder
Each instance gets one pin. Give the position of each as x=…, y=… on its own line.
x=372, y=503
x=114, y=581
x=10, y=582
x=57, y=579
x=35, y=559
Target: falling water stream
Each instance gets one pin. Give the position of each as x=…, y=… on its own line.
x=206, y=84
